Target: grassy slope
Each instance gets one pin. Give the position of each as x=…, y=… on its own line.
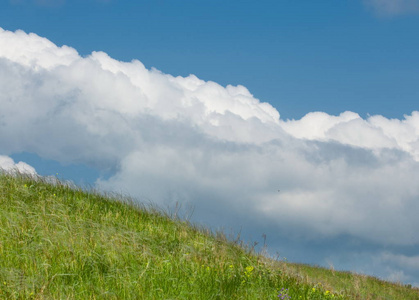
x=58, y=242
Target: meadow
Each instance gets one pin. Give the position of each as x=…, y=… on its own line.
x=60, y=241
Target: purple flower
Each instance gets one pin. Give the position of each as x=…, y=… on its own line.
x=283, y=294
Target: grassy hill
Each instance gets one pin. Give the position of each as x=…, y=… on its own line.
x=61, y=242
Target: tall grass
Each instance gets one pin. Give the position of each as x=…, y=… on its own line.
x=61, y=242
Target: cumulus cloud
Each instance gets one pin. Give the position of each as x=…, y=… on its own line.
x=219, y=149
x=7, y=164
x=393, y=7
x=376, y=132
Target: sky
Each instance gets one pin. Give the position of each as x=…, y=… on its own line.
x=297, y=120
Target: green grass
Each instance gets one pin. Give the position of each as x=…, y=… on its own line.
x=62, y=242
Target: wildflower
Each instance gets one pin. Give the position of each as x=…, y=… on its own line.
x=313, y=289
x=249, y=271
x=283, y=294
x=326, y=293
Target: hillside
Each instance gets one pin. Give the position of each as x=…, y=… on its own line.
x=58, y=241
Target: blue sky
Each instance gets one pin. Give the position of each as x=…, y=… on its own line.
x=317, y=99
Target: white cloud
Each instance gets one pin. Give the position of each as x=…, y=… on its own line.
x=32, y=51
x=400, y=264
x=376, y=132
x=393, y=7
x=7, y=164
x=219, y=149
x=403, y=260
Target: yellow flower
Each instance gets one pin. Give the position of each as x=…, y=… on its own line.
x=249, y=269
x=313, y=289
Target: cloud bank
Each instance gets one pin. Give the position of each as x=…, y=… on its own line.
x=219, y=149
